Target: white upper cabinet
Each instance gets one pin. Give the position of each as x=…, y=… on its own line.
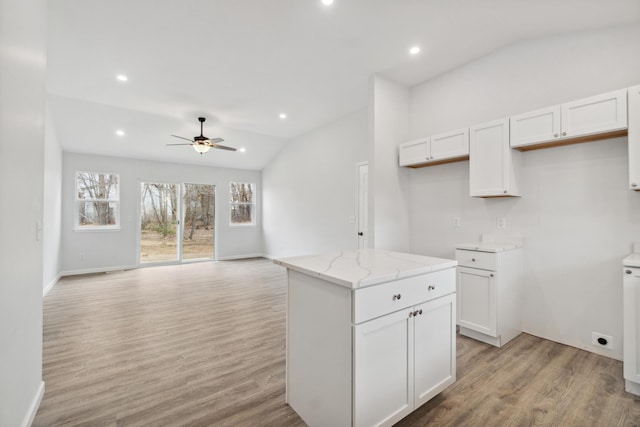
x=596, y=114
x=415, y=152
x=442, y=148
x=575, y=121
x=493, y=166
x=634, y=138
x=535, y=127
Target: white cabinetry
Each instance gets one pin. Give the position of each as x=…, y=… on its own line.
x=368, y=356
x=631, y=322
x=634, y=138
x=442, y=148
x=493, y=166
x=489, y=294
x=583, y=120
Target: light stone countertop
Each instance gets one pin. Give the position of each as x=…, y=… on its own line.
x=493, y=243
x=364, y=267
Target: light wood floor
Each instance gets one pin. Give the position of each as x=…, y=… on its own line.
x=203, y=345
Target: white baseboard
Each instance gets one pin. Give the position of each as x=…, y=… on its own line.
x=267, y=256
x=97, y=270
x=50, y=286
x=579, y=345
x=232, y=257
x=33, y=409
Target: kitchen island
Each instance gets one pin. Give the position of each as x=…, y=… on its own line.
x=370, y=335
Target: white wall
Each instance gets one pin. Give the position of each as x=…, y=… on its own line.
x=576, y=214
x=84, y=251
x=310, y=190
x=389, y=189
x=22, y=111
x=51, y=224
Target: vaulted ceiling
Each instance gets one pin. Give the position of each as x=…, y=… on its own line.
x=241, y=63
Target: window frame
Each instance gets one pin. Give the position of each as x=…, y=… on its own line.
x=253, y=203
x=78, y=201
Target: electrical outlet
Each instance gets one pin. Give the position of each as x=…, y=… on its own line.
x=501, y=223
x=456, y=221
x=602, y=340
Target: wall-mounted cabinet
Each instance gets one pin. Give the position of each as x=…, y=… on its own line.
x=446, y=147
x=634, y=138
x=587, y=119
x=493, y=166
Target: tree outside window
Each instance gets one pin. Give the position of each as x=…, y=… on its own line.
x=97, y=200
x=242, y=203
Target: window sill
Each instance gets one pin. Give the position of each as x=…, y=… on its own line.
x=253, y=224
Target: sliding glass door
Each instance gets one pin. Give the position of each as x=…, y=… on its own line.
x=177, y=222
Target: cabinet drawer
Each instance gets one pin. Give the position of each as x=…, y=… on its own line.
x=477, y=259
x=381, y=299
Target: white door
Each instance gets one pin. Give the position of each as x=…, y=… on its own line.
x=634, y=138
x=535, y=127
x=596, y=114
x=476, y=295
x=434, y=347
x=363, y=205
x=631, y=315
x=490, y=159
x=382, y=387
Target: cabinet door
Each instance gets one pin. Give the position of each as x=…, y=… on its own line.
x=434, y=347
x=477, y=300
x=535, y=127
x=631, y=316
x=450, y=145
x=596, y=114
x=490, y=162
x=414, y=152
x=634, y=138
x=383, y=381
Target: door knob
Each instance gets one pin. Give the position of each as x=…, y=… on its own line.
x=360, y=233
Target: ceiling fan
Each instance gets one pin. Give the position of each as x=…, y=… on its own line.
x=201, y=143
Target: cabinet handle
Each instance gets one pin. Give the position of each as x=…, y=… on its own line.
x=473, y=259
x=491, y=275
x=411, y=313
x=634, y=185
x=564, y=134
x=431, y=288
x=398, y=296
x=628, y=271
x=505, y=191
x=420, y=311
x=555, y=135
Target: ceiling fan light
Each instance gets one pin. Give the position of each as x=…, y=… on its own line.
x=201, y=148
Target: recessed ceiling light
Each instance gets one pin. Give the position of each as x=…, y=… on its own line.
x=242, y=150
x=282, y=116
x=327, y=2
x=122, y=77
x=120, y=132
x=414, y=50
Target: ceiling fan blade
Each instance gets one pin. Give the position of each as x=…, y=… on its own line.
x=223, y=147
x=180, y=144
x=215, y=140
x=181, y=137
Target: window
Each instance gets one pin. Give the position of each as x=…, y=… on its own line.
x=242, y=203
x=97, y=201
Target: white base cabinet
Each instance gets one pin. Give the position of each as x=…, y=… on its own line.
x=489, y=292
x=369, y=356
x=631, y=326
